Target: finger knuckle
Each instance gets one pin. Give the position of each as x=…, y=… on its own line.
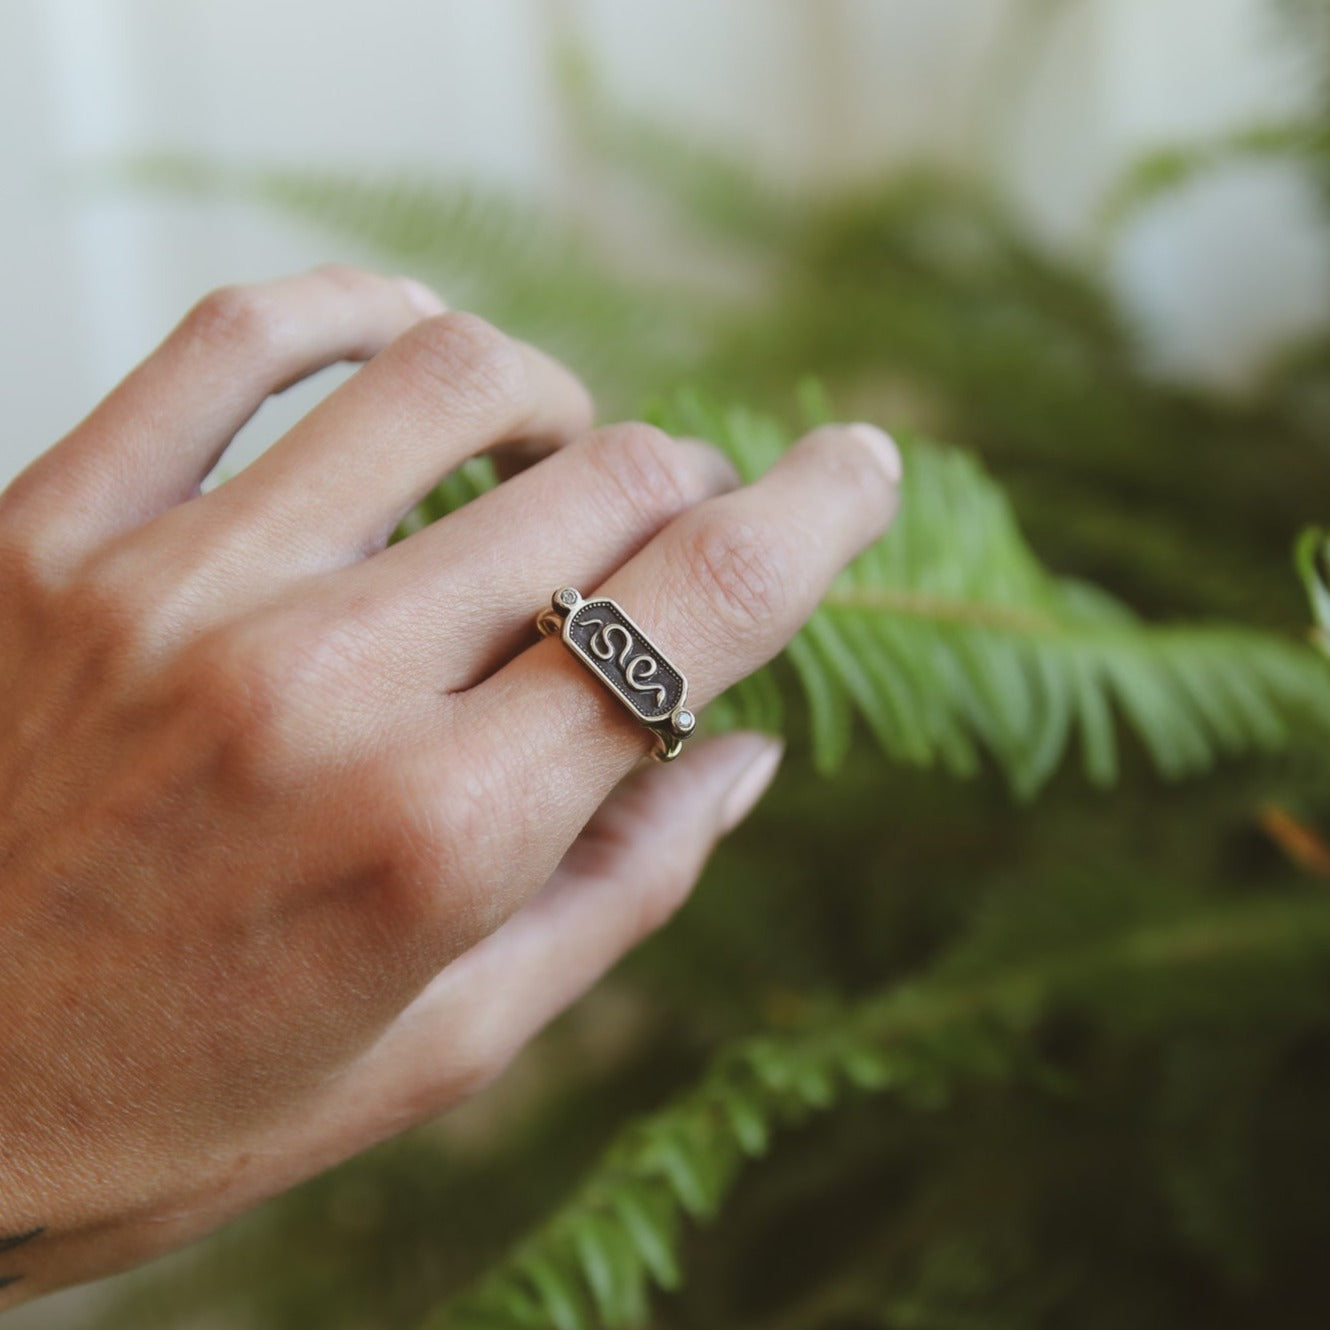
x=478, y=367
x=739, y=569
x=30, y=562
x=343, y=276
x=233, y=686
x=255, y=688
x=113, y=607
x=436, y=847
x=238, y=317
x=483, y=1042
x=413, y=851
x=15, y=507
x=645, y=470
x=478, y=1063
x=582, y=406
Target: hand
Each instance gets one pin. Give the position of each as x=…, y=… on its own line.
x=303, y=837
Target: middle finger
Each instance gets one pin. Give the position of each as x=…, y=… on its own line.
x=456, y=597
x=334, y=487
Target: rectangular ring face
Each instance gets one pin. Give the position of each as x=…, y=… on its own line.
x=607, y=640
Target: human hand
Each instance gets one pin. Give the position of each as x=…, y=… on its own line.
x=303, y=837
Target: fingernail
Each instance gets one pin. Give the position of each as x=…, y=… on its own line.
x=883, y=447
x=424, y=301
x=751, y=784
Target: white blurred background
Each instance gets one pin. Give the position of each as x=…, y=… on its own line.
x=816, y=90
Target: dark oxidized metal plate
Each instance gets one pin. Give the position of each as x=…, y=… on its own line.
x=626, y=661
x=607, y=640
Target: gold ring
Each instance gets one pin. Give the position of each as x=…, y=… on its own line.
x=626, y=661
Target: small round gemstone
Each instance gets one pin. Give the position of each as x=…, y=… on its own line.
x=684, y=721
x=568, y=596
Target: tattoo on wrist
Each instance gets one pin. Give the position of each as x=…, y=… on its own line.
x=16, y=1240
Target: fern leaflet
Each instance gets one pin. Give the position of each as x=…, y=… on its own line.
x=950, y=640
x=595, y=1262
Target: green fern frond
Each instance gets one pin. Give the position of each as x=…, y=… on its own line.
x=1165, y=170
x=1312, y=556
x=950, y=640
x=508, y=260
x=472, y=479
x=595, y=1262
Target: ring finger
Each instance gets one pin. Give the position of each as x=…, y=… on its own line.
x=721, y=590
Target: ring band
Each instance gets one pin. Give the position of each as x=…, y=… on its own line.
x=626, y=661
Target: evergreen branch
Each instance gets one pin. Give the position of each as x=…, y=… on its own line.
x=876, y=600
x=594, y=1263
x=511, y=261
x=950, y=640
x=1166, y=170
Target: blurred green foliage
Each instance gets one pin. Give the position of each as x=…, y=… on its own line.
x=1006, y=1064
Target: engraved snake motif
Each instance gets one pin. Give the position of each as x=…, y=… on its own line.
x=601, y=643
x=637, y=670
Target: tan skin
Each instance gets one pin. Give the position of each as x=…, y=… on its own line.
x=303, y=837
